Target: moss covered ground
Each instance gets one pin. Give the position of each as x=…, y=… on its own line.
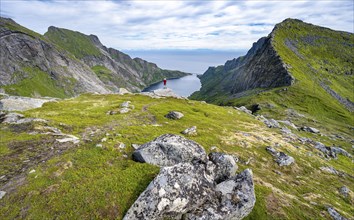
x=95, y=179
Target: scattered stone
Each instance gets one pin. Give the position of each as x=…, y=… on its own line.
x=310, y=129
x=174, y=115
x=280, y=157
x=161, y=93
x=121, y=146
x=244, y=109
x=124, y=110
x=334, y=214
x=234, y=199
x=99, y=145
x=175, y=190
x=168, y=150
x=289, y=123
x=103, y=139
x=329, y=170
x=32, y=171
x=111, y=112
x=331, y=151
x=2, y=194
x=192, y=131
x=125, y=104
x=225, y=166
x=278, y=172
x=70, y=138
x=270, y=123
x=344, y=191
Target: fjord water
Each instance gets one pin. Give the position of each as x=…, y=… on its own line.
x=190, y=61
x=183, y=86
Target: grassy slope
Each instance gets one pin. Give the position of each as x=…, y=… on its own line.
x=325, y=56
x=37, y=83
x=102, y=183
x=76, y=43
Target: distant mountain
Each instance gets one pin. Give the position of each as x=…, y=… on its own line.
x=298, y=65
x=64, y=63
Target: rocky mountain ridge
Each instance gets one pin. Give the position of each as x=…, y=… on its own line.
x=64, y=63
x=298, y=55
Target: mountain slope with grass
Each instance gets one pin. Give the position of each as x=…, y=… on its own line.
x=64, y=63
x=73, y=158
x=299, y=65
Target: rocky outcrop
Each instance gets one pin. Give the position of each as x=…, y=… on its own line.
x=197, y=188
x=169, y=149
x=18, y=103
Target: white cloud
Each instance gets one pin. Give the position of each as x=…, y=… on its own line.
x=223, y=25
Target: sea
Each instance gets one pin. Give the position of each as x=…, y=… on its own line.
x=190, y=61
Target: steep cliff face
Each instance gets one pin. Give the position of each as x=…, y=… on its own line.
x=315, y=64
x=120, y=69
x=261, y=68
x=26, y=56
x=64, y=63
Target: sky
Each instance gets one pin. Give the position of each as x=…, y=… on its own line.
x=187, y=25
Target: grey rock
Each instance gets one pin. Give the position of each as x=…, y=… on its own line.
x=332, y=151
x=168, y=150
x=334, y=214
x=125, y=104
x=192, y=131
x=244, y=109
x=174, y=191
x=225, y=166
x=284, y=159
x=281, y=158
x=234, y=199
x=12, y=117
x=289, y=123
x=124, y=110
x=2, y=194
x=330, y=170
x=174, y=115
x=69, y=138
x=344, y=191
x=18, y=103
x=135, y=146
x=270, y=123
x=310, y=129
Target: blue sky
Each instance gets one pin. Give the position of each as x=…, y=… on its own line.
x=149, y=25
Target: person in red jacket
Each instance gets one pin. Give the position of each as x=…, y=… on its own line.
x=164, y=83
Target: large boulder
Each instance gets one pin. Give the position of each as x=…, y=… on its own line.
x=168, y=150
x=225, y=166
x=175, y=191
x=235, y=199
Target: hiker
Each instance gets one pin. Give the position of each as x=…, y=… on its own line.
x=164, y=83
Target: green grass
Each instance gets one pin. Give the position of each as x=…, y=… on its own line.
x=93, y=182
x=80, y=45
x=37, y=83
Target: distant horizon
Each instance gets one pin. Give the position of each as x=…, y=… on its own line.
x=176, y=25
x=190, y=61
